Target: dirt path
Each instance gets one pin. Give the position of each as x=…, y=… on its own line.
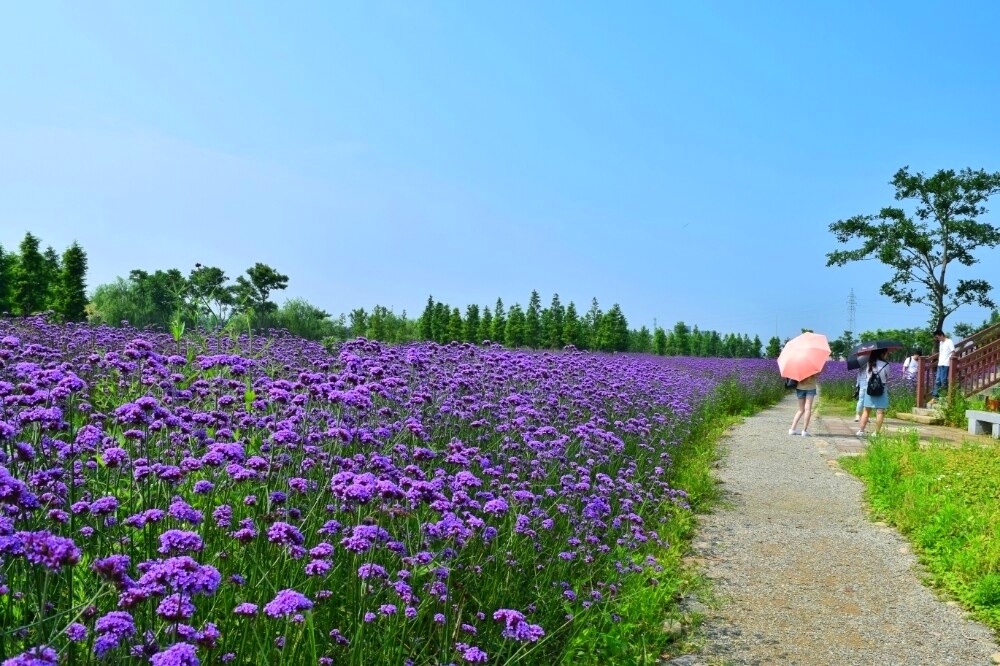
x=802, y=577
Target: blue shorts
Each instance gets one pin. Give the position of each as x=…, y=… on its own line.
x=800, y=393
x=877, y=402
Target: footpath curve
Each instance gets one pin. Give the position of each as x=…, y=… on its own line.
x=801, y=576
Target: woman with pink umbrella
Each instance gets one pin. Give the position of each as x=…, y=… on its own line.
x=802, y=360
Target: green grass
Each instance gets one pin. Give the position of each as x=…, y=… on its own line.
x=946, y=501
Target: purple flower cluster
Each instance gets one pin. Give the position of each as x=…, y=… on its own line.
x=217, y=484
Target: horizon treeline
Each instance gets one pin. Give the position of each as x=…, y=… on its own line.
x=32, y=281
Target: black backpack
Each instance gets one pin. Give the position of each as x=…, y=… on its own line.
x=790, y=383
x=875, y=385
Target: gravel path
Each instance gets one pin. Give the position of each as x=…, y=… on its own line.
x=803, y=577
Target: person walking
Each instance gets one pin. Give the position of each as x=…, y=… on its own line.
x=861, y=381
x=945, y=349
x=874, y=398
x=805, y=391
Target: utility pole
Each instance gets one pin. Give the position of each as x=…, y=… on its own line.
x=851, y=307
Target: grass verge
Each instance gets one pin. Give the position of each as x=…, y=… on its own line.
x=946, y=501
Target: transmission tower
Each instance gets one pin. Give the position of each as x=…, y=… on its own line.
x=852, y=305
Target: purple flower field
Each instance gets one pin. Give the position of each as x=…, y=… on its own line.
x=217, y=501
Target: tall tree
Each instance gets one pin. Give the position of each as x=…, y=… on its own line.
x=31, y=284
x=660, y=341
x=300, y=318
x=682, y=339
x=358, y=322
x=554, y=326
x=944, y=227
x=254, y=290
x=514, y=330
x=442, y=315
x=486, y=324
x=471, y=324
x=571, y=327
x=211, y=294
x=455, y=327
x=71, y=291
x=532, y=321
x=773, y=347
x=499, y=333
x=52, y=271
x=427, y=320
x=8, y=262
x=591, y=320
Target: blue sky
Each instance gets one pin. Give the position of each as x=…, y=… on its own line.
x=683, y=159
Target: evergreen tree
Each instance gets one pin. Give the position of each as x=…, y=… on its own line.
x=71, y=299
x=472, y=324
x=52, y=272
x=641, y=341
x=486, y=324
x=619, y=328
x=442, y=315
x=377, y=320
x=427, y=320
x=682, y=339
x=757, y=348
x=571, y=327
x=514, y=330
x=31, y=287
x=8, y=262
x=532, y=321
x=590, y=323
x=556, y=321
x=455, y=326
x=499, y=333
x=660, y=341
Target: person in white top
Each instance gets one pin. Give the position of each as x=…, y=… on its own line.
x=945, y=349
x=911, y=363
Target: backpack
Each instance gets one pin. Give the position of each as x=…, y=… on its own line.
x=876, y=386
x=790, y=383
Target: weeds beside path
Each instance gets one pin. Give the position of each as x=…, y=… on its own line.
x=800, y=575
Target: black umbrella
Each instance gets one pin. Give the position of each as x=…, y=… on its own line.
x=854, y=361
x=866, y=348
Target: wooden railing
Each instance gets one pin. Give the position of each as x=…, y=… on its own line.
x=975, y=365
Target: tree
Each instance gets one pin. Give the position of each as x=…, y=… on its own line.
x=612, y=330
x=71, y=287
x=358, y=319
x=532, y=321
x=682, y=339
x=471, y=326
x=30, y=284
x=486, y=324
x=773, y=347
x=211, y=296
x=843, y=345
x=514, y=330
x=757, y=349
x=253, y=291
x=571, y=327
x=591, y=320
x=439, y=323
x=554, y=336
x=427, y=320
x=455, y=327
x=499, y=333
x=640, y=341
x=660, y=341
x=52, y=272
x=8, y=263
x=944, y=228
x=300, y=318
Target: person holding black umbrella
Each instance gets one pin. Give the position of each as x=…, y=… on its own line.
x=876, y=392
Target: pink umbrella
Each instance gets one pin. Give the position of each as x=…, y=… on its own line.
x=804, y=356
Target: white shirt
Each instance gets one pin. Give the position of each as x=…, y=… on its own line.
x=946, y=349
x=910, y=366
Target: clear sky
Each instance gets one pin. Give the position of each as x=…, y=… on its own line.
x=683, y=159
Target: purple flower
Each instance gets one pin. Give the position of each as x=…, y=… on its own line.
x=52, y=552
x=111, y=629
x=36, y=656
x=76, y=632
x=245, y=609
x=178, y=654
x=175, y=608
x=286, y=603
x=179, y=541
x=516, y=627
x=285, y=534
